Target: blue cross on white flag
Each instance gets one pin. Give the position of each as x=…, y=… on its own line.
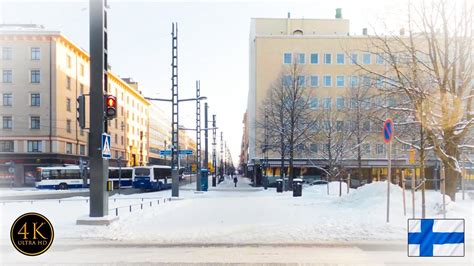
x=436, y=237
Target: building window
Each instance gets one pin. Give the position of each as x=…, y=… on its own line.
x=301, y=81
x=35, y=99
x=7, y=76
x=301, y=58
x=68, y=83
x=313, y=147
x=81, y=70
x=81, y=89
x=68, y=61
x=327, y=103
x=405, y=147
x=380, y=149
x=366, y=59
x=68, y=126
x=68, y=104
x=340, y=81
x=366, y=126
x=82, y=149
x=68, y=148
x=314, y=58
x=7, y=122
x=287, y=80
x=35, y=76
x=35, y=122
x=314, y=81
x=35, y=53
x=286, y=60
x=121, y=140
x=340, y=59
x=327, y=81
x=354, y=81
x=116, y=139
x=354, y=103
x=7, y=99
x=6, y=146
x=327, y=59
x=366, y=81
x=339, y=126
x=340, y=103
x=353, y=59
x=7, y=53
x=81, y=132
x=379, y=59
x=366, y=148
x=34, y=146
x=379, y=82
x=313, y=104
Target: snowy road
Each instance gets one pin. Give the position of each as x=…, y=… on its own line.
x=237, y=225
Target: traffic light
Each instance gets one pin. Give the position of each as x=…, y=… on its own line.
x=110, y=106
x=81, y=111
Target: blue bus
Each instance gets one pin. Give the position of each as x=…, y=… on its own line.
x=156, y=177
x=126, y=178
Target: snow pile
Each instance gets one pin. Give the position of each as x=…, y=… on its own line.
x=333, y=188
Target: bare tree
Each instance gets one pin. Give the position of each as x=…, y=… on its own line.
x=432, y=68
x=290, y=118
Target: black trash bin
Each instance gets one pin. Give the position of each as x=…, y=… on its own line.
x=297, y=187
x=279, y=185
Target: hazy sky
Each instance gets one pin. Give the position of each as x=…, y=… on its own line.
x=213, y=43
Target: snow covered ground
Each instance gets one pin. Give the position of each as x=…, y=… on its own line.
x=244, y=215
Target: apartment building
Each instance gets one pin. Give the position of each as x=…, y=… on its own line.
x=328, y=57
x=43, y=72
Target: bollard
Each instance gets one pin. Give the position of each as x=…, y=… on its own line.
x=116, y=211
x=115, y=199
x=130, y=208
x=59, y=201
x=141, y=206
x=158, y=202
x=142, y=199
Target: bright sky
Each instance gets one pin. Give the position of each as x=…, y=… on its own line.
x=213, y=43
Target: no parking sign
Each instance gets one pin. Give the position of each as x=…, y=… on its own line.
x=388, y=130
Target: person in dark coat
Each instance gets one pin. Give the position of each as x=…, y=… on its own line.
x=235, y=181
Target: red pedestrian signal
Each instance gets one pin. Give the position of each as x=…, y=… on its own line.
x=110, y=106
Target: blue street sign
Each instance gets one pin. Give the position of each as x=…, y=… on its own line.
x=165, y=152
x=106, y=153
x=388, y=131
x=181, y=152
x=185, y=152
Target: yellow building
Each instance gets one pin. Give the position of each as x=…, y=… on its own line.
x=326, y=53
x=160, y=134
x=43, y=72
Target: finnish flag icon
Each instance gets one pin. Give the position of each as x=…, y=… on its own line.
x=436, y=237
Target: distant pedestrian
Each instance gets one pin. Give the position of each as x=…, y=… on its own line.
x=235, y=181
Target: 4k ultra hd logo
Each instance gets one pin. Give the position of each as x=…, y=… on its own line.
x=32, y=234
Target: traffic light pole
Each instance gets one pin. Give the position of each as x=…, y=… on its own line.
x=98, y=124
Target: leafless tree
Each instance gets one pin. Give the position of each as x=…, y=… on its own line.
x=290, y=118
x=431, y=66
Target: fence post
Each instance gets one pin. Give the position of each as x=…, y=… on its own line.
x=130, y=208
x=116, y=211
x=141, y=206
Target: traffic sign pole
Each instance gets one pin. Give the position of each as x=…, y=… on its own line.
x=388, y=136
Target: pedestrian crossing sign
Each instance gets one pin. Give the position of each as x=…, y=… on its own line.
x=106, y=154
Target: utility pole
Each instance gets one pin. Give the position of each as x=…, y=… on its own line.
x=265, y=166
x=99, y=197
x=222, y=155
x=206, y=137
x=198, y=136
x=175, y=112
x=214, y=131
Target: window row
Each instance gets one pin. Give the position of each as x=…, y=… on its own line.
x=37, y=146
x=330, y=58
x=351, y=103
x=7, y=76
x=33, y=123
x=35, y=99
x=7, y=53
x=323, y=148
x=313, y=81
x=340, y=125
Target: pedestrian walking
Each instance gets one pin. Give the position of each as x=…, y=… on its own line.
x=235, y=181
